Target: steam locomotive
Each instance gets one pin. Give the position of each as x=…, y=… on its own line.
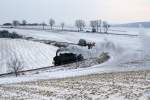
x=66, y=58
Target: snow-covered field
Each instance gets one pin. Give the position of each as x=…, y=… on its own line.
x=106, y=86
x=128, y=53
x=31, y=54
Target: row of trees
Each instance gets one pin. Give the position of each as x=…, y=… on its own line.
x=96, y=25
x=16, y=23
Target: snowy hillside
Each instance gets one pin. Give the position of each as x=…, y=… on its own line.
x=73, y=37
x=127, y=52
x=128, y=43
x=121, y=43
x=33, y=54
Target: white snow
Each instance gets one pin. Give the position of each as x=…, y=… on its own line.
x=32, y=54
x=126, y=53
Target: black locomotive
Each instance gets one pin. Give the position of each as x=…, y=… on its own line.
x=67, y=58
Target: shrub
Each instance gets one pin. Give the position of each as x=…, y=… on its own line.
x=103, y=57
x=82, y=42
x=7, y=24
x=6, y=34
x=93, y=30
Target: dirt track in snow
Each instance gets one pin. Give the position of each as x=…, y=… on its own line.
x=109, y=86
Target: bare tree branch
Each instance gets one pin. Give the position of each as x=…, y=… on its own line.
x=15, y=65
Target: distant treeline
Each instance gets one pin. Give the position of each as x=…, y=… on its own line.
x=29, y=24
x=96, y=25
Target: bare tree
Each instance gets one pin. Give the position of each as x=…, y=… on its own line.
x=51, y=23
x=62, y=25
x=106, y=26
x=93, y=25
x=15, y=23
x=96, y=25
x=43, y=25
x=24, y=22
x=15, y=65
x=99, y=24
x=80, y=24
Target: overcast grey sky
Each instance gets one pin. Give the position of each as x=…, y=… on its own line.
x=116, y=11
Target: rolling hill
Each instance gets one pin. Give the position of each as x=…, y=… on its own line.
x=134, y=24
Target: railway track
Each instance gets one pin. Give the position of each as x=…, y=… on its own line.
x=43, y=68
x=25, y=71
